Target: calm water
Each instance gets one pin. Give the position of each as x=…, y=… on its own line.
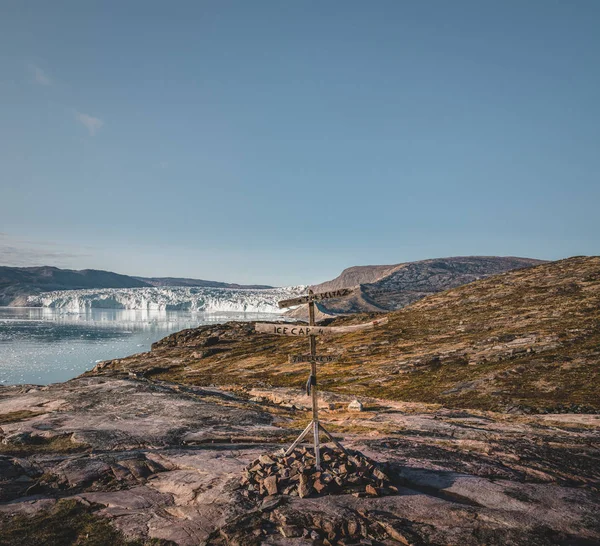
x=42, y=345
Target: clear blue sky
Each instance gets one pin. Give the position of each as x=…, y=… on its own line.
x=280, y=142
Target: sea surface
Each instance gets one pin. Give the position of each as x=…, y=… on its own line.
x=44, y=345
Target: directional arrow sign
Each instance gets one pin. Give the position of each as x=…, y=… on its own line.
x=315, y=297
x=295, y=359
x=303, y=331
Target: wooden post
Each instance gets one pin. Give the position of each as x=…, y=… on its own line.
x=313, y=387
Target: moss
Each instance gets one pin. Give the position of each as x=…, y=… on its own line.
x=67, y=523
x=15, y=416
x=39, y=444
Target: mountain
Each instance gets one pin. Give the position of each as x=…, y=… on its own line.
x=526, y=340
x=176, y=281
x=380, y=288
x=18, y=283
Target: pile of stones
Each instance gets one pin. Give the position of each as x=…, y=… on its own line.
x=296, y=475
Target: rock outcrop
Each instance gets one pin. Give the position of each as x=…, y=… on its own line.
x=123, y=459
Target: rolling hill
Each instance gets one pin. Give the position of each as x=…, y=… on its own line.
x=184, y=282
x=380, y=288
x=523, y=341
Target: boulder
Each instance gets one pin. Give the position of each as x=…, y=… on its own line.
x=355, y=405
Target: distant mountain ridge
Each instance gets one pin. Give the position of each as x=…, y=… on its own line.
x=383, y=288
x=378, y=288
x=18, y=283
x=182, y=281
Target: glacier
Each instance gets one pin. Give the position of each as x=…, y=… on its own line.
x=208, y=300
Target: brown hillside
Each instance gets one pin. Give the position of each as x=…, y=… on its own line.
x=383, y=288
x=526, y=340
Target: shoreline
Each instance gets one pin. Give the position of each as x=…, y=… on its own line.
x=49, y=342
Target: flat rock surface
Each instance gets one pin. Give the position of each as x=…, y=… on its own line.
x=165, y=461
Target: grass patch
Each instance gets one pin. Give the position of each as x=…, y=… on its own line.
x=67, y=523
x=15, y=416
x=39, y=444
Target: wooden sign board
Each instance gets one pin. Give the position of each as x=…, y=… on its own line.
x=303, y=331
x=315, y=297
x=295, y=359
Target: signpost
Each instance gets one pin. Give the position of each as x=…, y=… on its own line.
x=295, y=359
x=311, y=331
x=300, y=331
x=314, y=297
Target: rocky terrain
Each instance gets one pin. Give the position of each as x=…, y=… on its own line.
x=380, y=288
x=111, y=460
x=480, y=424
x=524, y=341
x=18, y=283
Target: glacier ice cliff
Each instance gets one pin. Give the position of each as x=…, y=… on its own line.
x=208, y=300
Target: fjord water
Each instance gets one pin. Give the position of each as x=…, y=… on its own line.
x=44, y=345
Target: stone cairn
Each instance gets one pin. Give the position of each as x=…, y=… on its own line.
x=296, y=475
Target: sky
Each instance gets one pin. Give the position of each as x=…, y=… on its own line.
x=280, y=142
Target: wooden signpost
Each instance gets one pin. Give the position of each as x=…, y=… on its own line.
x=314, y=297
x=295, y=359
x=311, y=331
x=301, y=331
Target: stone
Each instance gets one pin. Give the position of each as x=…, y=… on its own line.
x=304, y=487
x=291, y=531
x=271, y=502
x=270, y=484
x=394, y=533
x=319, y=486
x=380, y=475
x=352, y=527
x=20, y=438
x=355, y=405
x=370, y=490
x=265, y=459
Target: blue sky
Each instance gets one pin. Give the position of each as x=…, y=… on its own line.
x=280, y=142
